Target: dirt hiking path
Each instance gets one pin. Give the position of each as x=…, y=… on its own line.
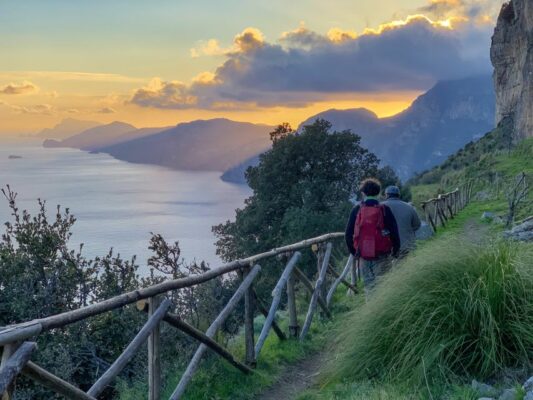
x=294, y=379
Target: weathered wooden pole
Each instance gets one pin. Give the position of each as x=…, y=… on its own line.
x=54, y=383
x=276, y=299
x=263, y=310
x=428, y=216
x=294, y=328
x=130, y=350
x=249, y=357
x=13, y=365
x=309, y=286
x=175, y=321
x=212, y=330
x=354, y=271
x=441, y=215
x=8, y=351
x=154, y=354
x=20, y=332
x=316, y=293
x=449, y=205
x=319, y=262
x=436, y=216
x=340, y=278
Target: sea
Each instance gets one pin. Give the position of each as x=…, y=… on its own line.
x=117, y=204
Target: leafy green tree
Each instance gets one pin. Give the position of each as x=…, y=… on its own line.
x=302, y=187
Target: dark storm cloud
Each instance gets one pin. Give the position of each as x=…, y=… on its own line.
x=305, y=65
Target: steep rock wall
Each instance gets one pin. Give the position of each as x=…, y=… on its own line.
x=512, y=57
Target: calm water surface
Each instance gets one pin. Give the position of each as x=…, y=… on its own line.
x=118, y=204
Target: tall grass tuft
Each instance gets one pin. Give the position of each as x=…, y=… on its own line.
x=452, y=308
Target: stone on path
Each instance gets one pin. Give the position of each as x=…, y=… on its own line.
x=484, y=390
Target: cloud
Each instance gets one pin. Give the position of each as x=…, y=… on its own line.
x=246, y=40
x=305, y=66
x=73, y=111
x=208, y=48
x=479, y=12
x=106, y=110
x=161, y=94
x=37, y=109
x=25, y=87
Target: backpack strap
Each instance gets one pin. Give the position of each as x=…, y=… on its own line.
x=381, y=220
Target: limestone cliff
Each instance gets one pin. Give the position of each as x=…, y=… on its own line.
x=512, y=57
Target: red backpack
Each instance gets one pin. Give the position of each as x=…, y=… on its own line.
x=370, y=236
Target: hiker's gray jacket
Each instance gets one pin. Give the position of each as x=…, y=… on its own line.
x=407, y=220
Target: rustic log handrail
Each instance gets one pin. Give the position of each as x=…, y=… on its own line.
x=439, y=210
x=69, y=317
x=149, y=300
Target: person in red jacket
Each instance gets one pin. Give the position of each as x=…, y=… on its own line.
x=372, y=234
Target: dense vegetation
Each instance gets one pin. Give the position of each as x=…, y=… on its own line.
x=40, y=276
x=451, y=309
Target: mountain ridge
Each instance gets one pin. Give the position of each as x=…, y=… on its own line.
x=418, y=137
x=202, y=145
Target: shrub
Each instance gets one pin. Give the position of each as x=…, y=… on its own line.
x=454, y=308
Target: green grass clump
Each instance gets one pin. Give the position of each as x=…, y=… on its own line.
x=453, y=308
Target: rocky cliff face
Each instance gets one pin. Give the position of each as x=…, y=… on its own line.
x=512, y=57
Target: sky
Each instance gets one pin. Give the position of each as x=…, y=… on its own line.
x=158, y=63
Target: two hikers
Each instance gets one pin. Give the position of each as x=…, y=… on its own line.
x=376, y=231
x=372, y=234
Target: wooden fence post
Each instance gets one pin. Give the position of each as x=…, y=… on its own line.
x=212, y=330
x=276, y=299
x=428, y=216
x=294, y=328
x=249, y=323
x=154, y=354
x=319, y=262
x=9, y=349
x=316, y=293
x=13, y=365
x=354, y=269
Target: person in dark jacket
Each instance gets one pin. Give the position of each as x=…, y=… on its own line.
x=371, y=269
x=406, y=217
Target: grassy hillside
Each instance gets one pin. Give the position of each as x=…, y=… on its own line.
x=465, y=273
x=493, y=163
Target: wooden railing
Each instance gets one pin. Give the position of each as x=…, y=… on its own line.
x=18, y=346
x=438, y=211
